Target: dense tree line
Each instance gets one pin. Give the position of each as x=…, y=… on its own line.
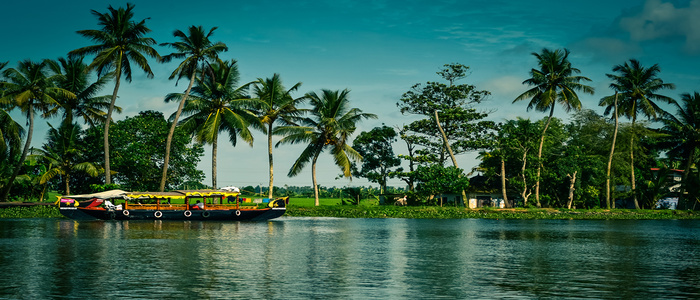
x=623, y=157
x=547, y=162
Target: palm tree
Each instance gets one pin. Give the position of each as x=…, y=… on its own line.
x=279, y=107
x=638, y=87
x=218, y=104
x=683, y=132
x=553, y=82
x=63, y=154
x=86, y=104
x=30, y=87
x=10, y=133
x=119, y=42
x=196, y=49
x=330, y=124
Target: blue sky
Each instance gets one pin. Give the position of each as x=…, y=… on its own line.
x=378, y=50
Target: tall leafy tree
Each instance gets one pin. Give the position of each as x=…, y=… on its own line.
x=452, y=126
x=378, y=158
x=330, y=124
x=119, y=42
x=554, y=81
x=279, y=108
x=513, y=151
x=30, y=88
x=218, y=104
x=682, y=131
x=86, y=104
x=450, y=123
x=63, y=153
x=197, y=52
x=638, y=89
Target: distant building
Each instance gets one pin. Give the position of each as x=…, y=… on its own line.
x=673, y=180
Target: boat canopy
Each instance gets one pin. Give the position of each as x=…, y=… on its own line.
x=181, y=194
x=111, y=194
x=119, y=194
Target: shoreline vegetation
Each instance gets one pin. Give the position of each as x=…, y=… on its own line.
x=425, y=212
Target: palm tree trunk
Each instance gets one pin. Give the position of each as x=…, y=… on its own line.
x=169, y=140
x=539, y=158
x=313, y=178
x=66, y=180
x=269, y=157
x=214, y=145
x=524, y=193
x=449, y=150
x=571, y=189
x=634, y=189
x=108, y=178
x=610, y=158
x=503, y=182
x=27, y=144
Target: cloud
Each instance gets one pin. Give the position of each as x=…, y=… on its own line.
x=659, y=21
x=612, y=49
x=505, y=86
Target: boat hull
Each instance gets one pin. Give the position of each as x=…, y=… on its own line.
x=79, y=213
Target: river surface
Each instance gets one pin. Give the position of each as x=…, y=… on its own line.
x=329, y=258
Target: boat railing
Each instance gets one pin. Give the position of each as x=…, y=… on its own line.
x=164, y=206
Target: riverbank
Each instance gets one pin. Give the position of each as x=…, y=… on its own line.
x=431, y=212
x=424, y=212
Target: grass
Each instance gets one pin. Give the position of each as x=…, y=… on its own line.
x=37, y=211
x=434, y=212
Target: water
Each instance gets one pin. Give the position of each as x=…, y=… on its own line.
x=321, y=258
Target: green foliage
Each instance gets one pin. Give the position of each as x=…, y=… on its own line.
x=219, y=105
x=436, y=179
x=464, y=126
x=378, y=159
x=30, y=88
x=35, y=211
x=433, y=212
x=137, y=147
x=63, y=153
x=98, y=188
x=330, y=124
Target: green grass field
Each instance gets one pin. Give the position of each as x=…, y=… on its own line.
x=309, y=202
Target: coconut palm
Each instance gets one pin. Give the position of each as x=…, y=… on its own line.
x=330, y=125
x=86, y=104
x=62, y=153
x=682, y=131
x=197, y=51
x=217, y=104
x=119, y=42
x=637, y=87
x=10, y=133
x=30, y=87
x=279, y=108
x=553, y=82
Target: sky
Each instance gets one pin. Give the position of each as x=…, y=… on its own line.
x=377, y=50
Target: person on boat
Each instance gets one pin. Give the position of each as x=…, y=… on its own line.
x=198, y=205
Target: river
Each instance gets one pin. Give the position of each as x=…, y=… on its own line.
x=331, y=258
